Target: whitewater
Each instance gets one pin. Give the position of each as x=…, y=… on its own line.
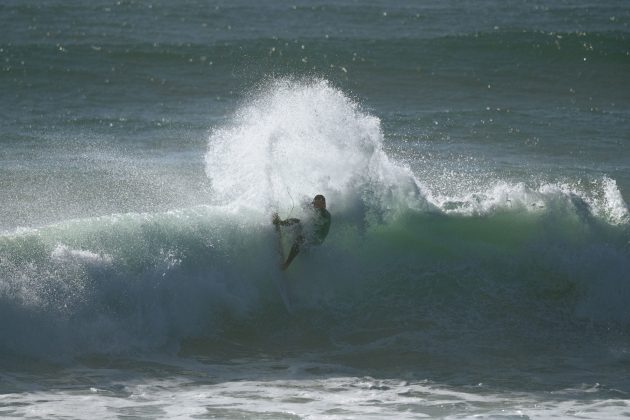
x=497, y=294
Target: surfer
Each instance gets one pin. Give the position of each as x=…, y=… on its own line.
x=318, y=227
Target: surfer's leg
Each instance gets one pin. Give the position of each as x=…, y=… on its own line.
x=295, y=249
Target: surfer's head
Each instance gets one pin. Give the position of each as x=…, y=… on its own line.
x=319, y=202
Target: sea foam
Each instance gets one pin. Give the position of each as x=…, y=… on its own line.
x=295, y=139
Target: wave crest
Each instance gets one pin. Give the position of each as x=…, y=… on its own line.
x=295, y=139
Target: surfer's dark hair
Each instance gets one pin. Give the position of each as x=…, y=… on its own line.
x=319, y=197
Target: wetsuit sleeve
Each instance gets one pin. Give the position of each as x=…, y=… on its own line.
x=289, y=222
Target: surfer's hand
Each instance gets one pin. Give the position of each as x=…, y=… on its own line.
x=275, y=219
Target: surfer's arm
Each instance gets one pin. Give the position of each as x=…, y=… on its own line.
x=287, y=222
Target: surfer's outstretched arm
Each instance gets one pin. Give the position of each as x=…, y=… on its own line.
x=287, y=222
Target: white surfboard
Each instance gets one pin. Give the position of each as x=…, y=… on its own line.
x=280, y=278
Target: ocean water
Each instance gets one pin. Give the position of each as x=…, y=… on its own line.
x=475, y=157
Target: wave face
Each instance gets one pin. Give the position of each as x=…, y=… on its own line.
x=404, y=265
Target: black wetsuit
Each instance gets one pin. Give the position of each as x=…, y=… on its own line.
x=321, y=226
x=317, y=230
